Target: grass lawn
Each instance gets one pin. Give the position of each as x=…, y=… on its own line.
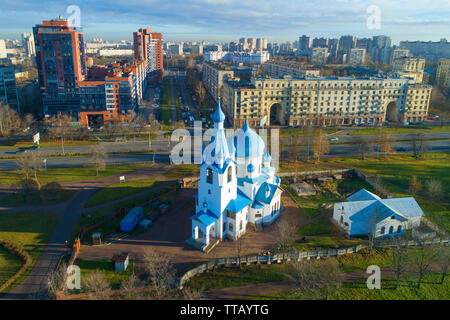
x=166, y=104
x=325, y=243
x=54, y=143
x=321, y=225
x=120, y=190
x=33, y=198
x=299, y=131
x=183, y=170
x=401, y=130
x=28, y=230
x=224, y=277
x=68, y=174
x=10, y=264
x=431, y=289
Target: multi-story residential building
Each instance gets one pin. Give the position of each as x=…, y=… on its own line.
x=319, y=56
x=320, y=42
x=258, y=57
x=346, y=44
x=61, y=64
x=291, y=101
x=443, y=74
x=96, y=95
x=197, y=49
x=304, y=45
x=399, y=53
x=409, y=67
x=3, y=54
x=28, y=44
x=214, y=73
x=357, y=56
x=111, y=93
x=148, y=47
x=8, y=89
x=381, y=41
x=428, y=49
x=175, y=49
x=261, y=44
x=278, y=70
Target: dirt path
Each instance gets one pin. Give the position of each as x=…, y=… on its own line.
x=269, y=288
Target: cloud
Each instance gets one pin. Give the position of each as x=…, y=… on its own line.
x=283, y=19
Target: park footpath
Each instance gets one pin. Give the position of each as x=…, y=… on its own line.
x=32, y=287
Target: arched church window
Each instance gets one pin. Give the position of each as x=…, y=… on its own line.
x=209, y=175
x=230, y=227
x=241, y=226
x=229, y=174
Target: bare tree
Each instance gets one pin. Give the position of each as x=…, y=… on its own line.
x=414, y=185
x=364, y=146
x=286, y=234
x=96, y=284
x=379, y=185
x=9, y=120
x=330, y=275
x=385, y=142
x=321, y=146
x=239, y=246
x=160, y=270
x=426, y=255
x=434, y=189
x=399, y=257
x=98, y=158
x=444, y=261
x=418, y=144
x=129, y=286
x=30, y=164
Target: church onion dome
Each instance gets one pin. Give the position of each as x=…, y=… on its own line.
x=267, y=157
x=247, y=143
x=218, y=115
x=250, y=167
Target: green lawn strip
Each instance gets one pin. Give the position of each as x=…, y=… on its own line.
x=431, y=289
x=34, y=198
x=321, y=225
x=299, y=131
x=401, y=130
x=120, y=190
x=183, y=170
x=43, y=144
x=10, y=264
x=29, y=231
x=69, y=174
x=112, y=226
x=166, y=105
x=223, y=277
x=325, y=243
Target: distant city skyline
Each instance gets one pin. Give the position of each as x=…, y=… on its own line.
x=228, y=20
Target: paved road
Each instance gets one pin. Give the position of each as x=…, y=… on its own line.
x=163, y=157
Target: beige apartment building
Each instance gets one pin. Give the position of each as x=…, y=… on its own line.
x=290, y=101
x=213, y=77
x=443, y=73
x=409, y=67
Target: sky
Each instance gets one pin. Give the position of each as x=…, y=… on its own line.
x=228, y=20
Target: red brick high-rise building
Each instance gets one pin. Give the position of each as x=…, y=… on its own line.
x=61, y=64
x=148, y=47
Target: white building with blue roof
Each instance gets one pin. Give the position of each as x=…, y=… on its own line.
x=366, y=213
x=237, y=186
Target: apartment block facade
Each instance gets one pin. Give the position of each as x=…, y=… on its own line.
x=410, y=67
x=8, y=89
x=291, y=101
x=148, y=47
x=443, y=74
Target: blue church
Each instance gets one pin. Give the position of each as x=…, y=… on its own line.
x=237, y=186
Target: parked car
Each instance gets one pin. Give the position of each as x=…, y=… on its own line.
x=333, y=139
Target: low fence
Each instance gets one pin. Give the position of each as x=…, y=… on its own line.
x=286, y=257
